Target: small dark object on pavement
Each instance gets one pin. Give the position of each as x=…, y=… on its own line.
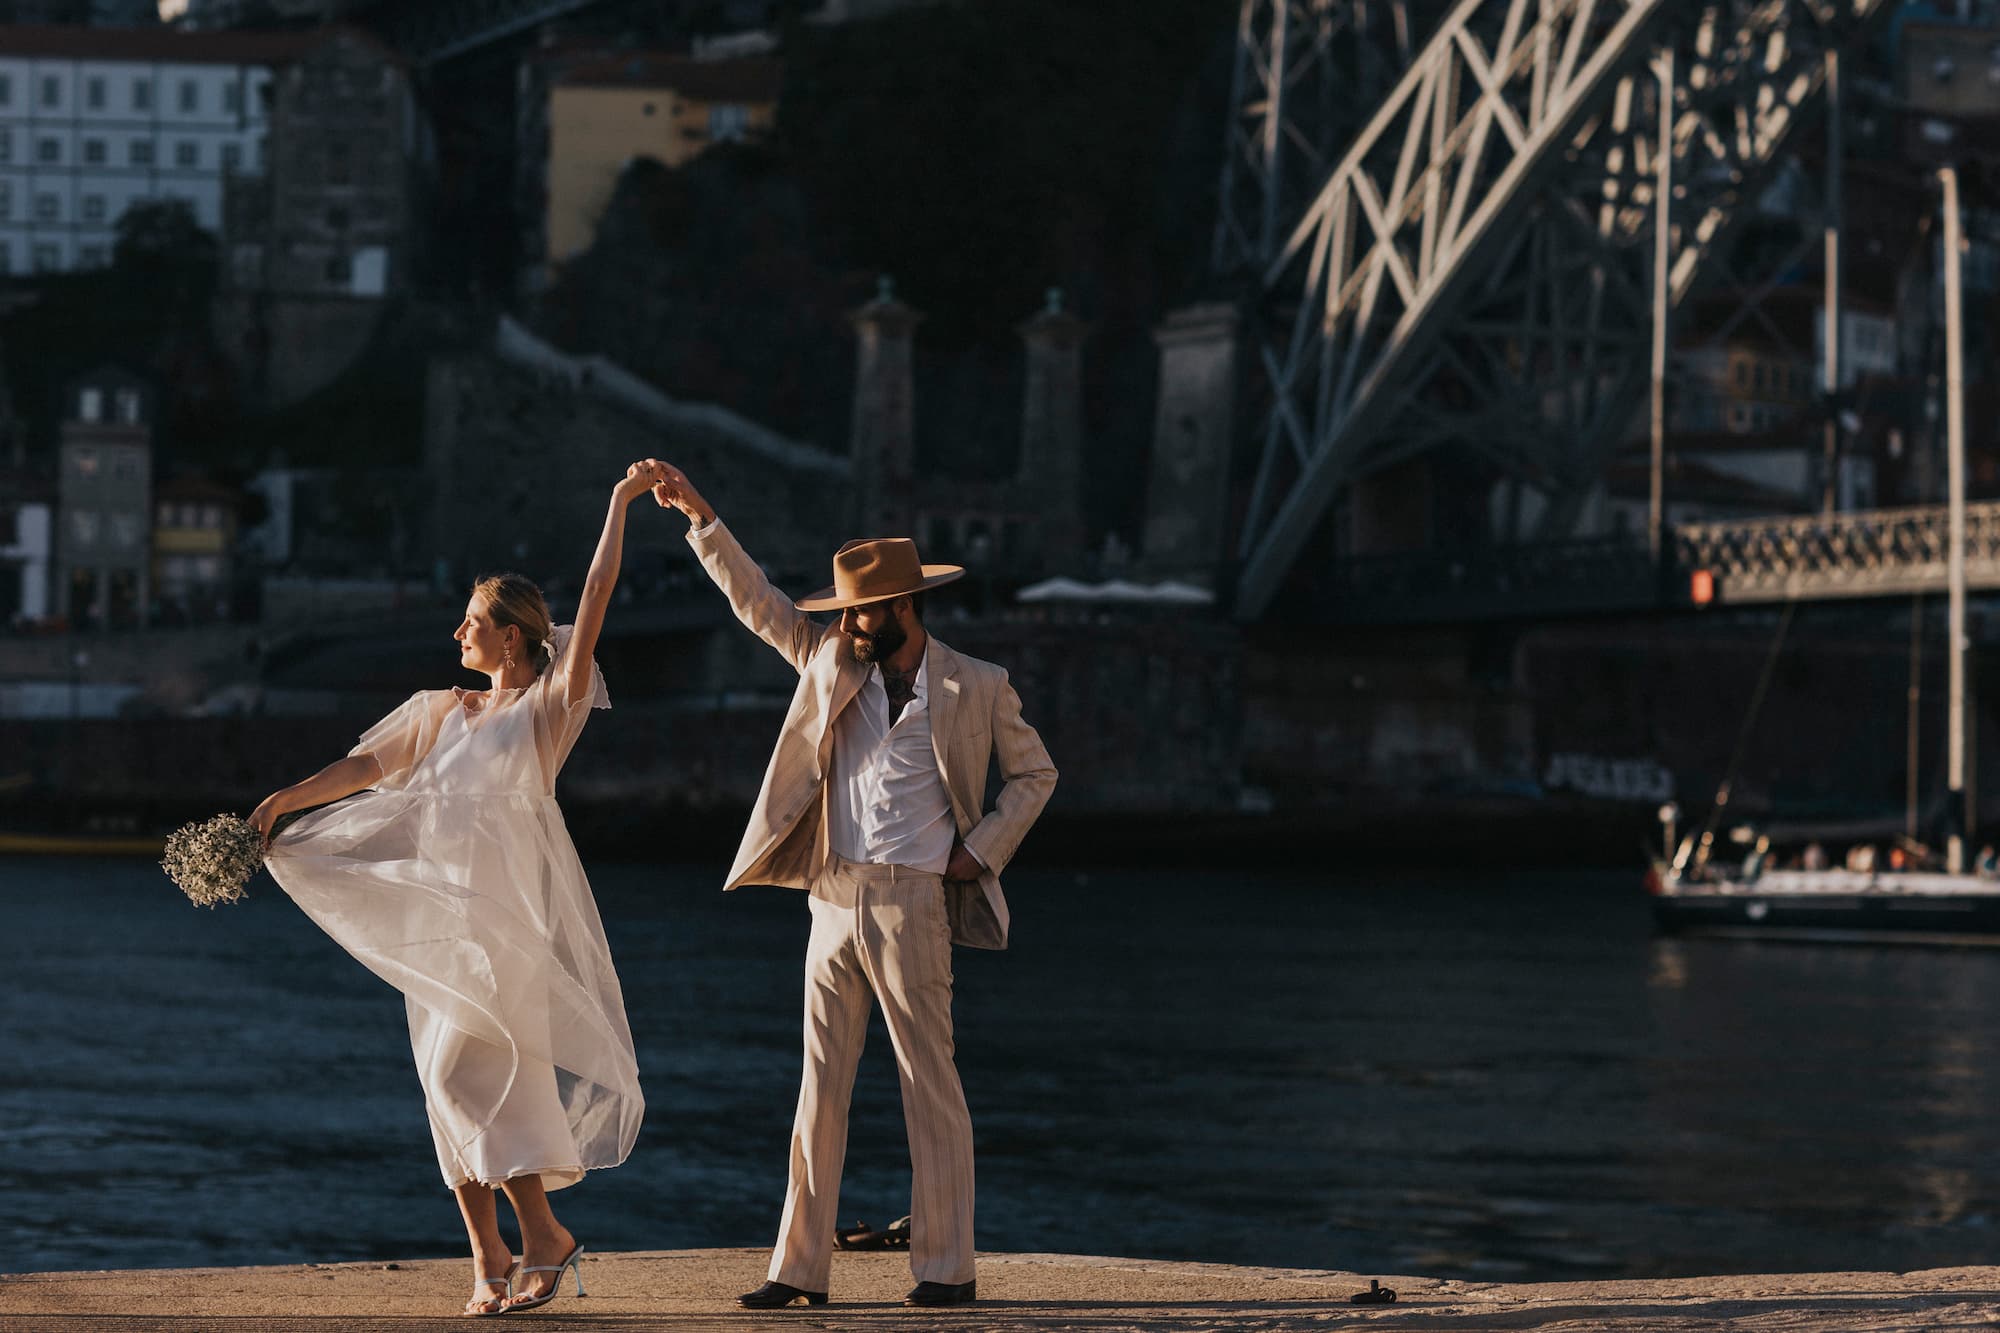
x=861, y=1236
x=1377, y=1294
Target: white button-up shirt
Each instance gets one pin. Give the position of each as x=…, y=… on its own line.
x=888, y=800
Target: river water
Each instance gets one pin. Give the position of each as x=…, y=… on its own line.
x=1441, y=1073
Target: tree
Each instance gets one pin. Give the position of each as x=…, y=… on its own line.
x=163, y=249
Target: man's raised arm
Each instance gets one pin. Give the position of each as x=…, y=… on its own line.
x=764, y=610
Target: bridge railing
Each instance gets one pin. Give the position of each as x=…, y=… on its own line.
x=1811, y=557
x=1862, y=553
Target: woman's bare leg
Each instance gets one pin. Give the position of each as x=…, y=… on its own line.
x=544, y=1241
x=490, y=1255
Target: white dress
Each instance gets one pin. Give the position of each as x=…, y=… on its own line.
x=455, y=881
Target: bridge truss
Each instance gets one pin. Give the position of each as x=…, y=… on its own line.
x=1305, y=73
x=1477, y=269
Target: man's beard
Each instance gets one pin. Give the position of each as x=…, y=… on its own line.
x=879, y=646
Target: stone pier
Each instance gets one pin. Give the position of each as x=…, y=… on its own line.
x=695, y=1289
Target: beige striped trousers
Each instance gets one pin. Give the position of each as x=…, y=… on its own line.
x=879, y=932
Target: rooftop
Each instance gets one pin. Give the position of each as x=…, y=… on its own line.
x=752, y=79
x=165, y=45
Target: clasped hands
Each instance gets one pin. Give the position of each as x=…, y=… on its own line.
x=641, y=477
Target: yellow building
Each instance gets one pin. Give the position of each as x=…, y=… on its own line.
x=194, y=542
x=605, y=111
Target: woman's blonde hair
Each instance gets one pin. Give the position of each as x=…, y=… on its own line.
x=513, y=600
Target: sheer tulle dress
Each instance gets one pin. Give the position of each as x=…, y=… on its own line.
x=455, y=881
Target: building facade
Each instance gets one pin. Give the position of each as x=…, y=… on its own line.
x=331, y=215
x=27, y=546
x=94, y=120
x=587, y=112
x=194, y=536
x=104, y=502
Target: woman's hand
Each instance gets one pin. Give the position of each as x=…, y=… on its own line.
x=267, y=813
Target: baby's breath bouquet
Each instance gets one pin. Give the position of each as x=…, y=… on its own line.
x=212, y=861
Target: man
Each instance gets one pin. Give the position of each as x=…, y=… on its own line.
x=874, y=804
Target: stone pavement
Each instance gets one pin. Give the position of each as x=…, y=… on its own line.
x=695, y=1289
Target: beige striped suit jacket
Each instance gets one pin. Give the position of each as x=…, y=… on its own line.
x=975, y=718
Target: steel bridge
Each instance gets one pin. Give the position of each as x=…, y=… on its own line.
x=1488, y=262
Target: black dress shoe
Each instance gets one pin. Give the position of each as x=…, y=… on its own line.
x=943, y=1293
x=776, y=1296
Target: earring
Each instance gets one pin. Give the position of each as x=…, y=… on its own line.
x=507, y=658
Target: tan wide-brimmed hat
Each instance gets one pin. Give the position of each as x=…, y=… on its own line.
x=875, y=570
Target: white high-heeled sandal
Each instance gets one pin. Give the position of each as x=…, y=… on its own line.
x=555, y=1287
x=502, y=1308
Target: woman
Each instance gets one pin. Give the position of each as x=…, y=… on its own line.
x=455, y=881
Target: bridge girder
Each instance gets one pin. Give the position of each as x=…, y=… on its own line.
x=1306, y=74
x=1475, y=270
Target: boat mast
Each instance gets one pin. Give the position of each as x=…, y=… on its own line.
x=1954, y=398
x=1916, y=700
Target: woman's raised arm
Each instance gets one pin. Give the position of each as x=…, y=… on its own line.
x=598, y=583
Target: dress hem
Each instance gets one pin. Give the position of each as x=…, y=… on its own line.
x=575, y=1173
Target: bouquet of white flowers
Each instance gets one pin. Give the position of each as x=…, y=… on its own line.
x=213, y=860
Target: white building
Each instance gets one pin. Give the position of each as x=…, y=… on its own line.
x=27, y=553
x=93, y=120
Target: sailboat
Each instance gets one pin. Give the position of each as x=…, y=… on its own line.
x=1872, y=903
x=1865, y=899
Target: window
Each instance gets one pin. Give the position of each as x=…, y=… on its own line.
x=164, y=517
x=142, y=152
x=232, y=97
x=93, y=256
x=211, y=516
x=339, y=270
x=6, y=145
x=128, y=406
x=48, y=208
x=83, y=525
x=728, y=123
x=51, y=90
x=6, y=201
x=142, y=94
x=263, y=153
x=6, y=90
x=190, y=96
x=93, y=152
x=6, y=257
x=125, y=529
x=232, y=156
x=93, y=93
x=187, y=153
x=48, y=151
x=93, y=208
x=89, y=407
x=336, y=219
